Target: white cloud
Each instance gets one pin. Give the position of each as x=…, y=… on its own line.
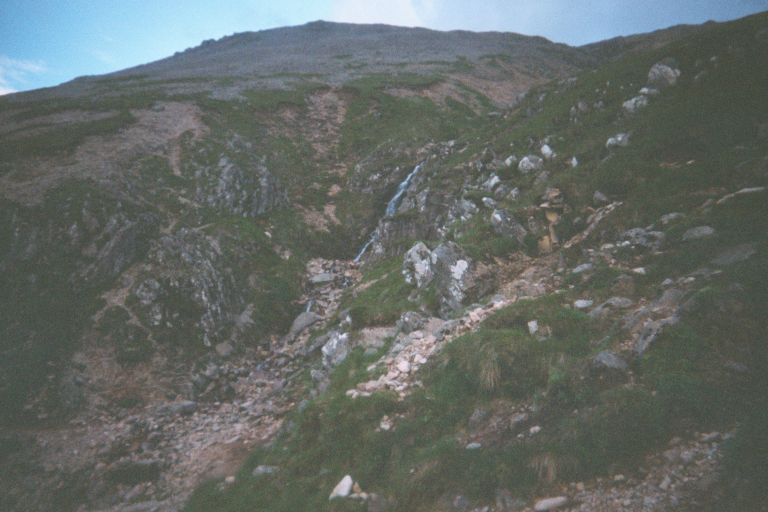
x=392, y=12
x=14, y=72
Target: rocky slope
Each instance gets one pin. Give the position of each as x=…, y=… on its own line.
x=531, y=276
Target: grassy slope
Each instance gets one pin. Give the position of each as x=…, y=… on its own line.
x=681, y=383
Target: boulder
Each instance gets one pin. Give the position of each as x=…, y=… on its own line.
x=336, y=349
x=620, y=140
x=506, y=225
x=550, y=504
x=303, y=321
x=698, y=233
x=510, y=161
x=343, y=488
x=410, y=321
x=453, y=273
x=634, y=105
x=547, y=152
x=608, y=361
x=417, y=265
x=642, y=238
x=663, y=74
x=530, y=163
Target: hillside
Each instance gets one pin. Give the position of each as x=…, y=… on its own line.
x=470, y=271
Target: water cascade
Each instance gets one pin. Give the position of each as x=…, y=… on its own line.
x=392, y=206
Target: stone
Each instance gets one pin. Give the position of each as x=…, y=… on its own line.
x=336, y=349
x=324, y=278
x=634, y=105
x=342, y=489
x=224, y=349
x=643, y=238
x=584, y=267
x=506, y=225
x=184, y=408
x=698, y=233
x=573, y=162
x=583, y=303
x=229, y=480
x=533, y=327
x=489, y=202
x=417, y=265
x=491, y=183
x=302, y=322
x=608, y=361
x=530, y=163
x=454, y=276
x=547, y=152
x=510, y=161
x=262, y=470
x=620, y=140
x=474, y=446
x=550, y=503
x=410, y=321
x=599, y=199
x=663, y=74
x=668, y=218
x=734, y=255
x=403, y=366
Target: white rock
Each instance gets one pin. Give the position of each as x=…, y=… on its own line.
x=547, y=152
x=343, y=488
x=510, y=161
x=530, y=163
x=639, y=271
x=583, y=303
x=633, y=105
x=533, y=326
x=550, y=503
x=403, y=366
x=619, y=140
x=534, y=430
x=474, y=446
x=574, y=162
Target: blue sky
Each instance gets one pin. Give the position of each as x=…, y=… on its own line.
x=46, y=42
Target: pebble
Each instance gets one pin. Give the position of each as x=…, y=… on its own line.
x=550, y=503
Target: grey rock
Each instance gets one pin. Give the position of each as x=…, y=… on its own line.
x=643, y=238
x=598, y=198
x=323, y=278
x=302, y=322
x=663, y=74
x=613, y=303
x=734, y=255
x=224, y=349
x=550, y=503
x=473, y=446
x=583, y=303
x=530, y=163
x=491, y=183
x=417, y=265
x=453, y=273
x=262, y=470
x=607, y=360
x=510, y=161
x=184, y=408
x=547, y=152
x=336, y=349
x=634, y=105
x=410, y=321
x=671, y=217
x=698, y=233
x=506, y=225
x=489, y=202
x=584, y=267
x=620, y=140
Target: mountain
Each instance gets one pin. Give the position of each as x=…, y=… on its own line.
x=469, y=271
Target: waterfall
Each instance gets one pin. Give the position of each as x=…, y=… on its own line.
x=392, y=206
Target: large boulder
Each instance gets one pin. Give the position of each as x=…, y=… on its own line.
x=336, y=349
x=634, y=105
x=620, y=140
x=453, y=273
x=663, y=74
x=506, y=225
x=530, y=163
x=417, y=265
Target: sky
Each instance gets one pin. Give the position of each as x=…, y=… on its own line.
x=47, y=42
